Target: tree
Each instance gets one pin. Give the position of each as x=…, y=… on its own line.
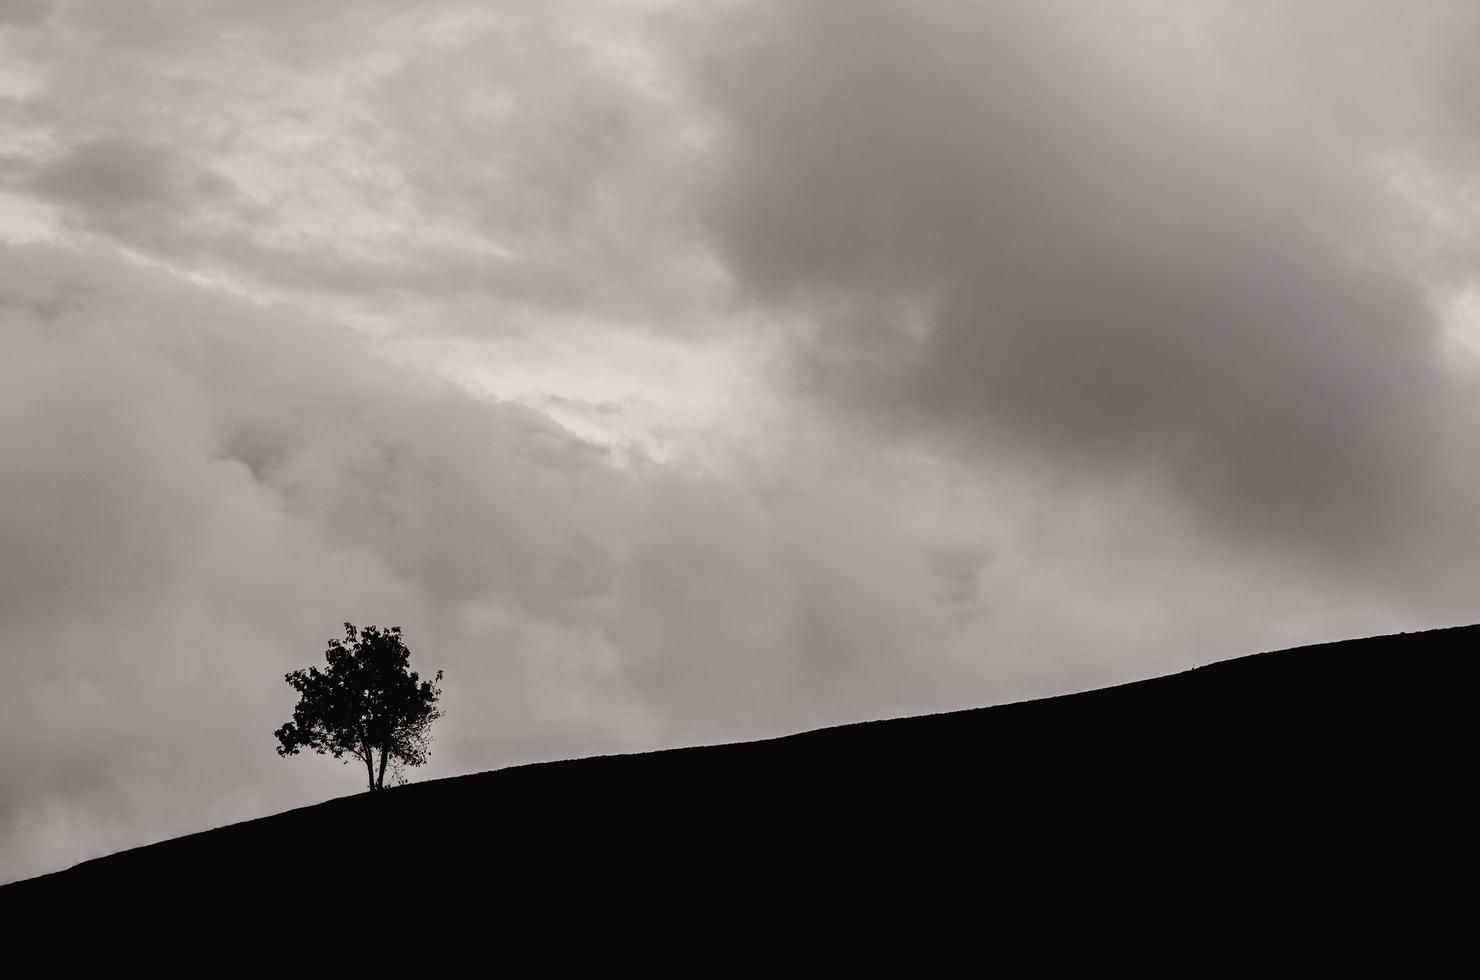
x=369, y=701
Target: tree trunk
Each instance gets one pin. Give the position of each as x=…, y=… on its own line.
x=369, y=770
x=380, y=779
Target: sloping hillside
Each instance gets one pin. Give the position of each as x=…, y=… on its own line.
x=1327, y=766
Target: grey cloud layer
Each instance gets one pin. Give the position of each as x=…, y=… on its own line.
x=23, y=13
x=1132, y=235
x=382, y=154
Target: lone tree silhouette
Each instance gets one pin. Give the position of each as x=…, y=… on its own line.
x=369, y=701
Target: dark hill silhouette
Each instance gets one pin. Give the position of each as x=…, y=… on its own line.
x=1322, y=776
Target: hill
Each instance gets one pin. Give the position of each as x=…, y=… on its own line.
x=1312, y=775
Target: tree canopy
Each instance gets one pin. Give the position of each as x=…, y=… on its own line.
x=368, y=705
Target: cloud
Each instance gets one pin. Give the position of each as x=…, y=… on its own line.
x=382, y=160
x=23, y=13
x=1154, y=237
x=128, y=188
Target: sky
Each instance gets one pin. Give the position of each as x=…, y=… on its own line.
x=680, y=373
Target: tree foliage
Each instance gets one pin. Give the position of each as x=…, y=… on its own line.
x=368, y=705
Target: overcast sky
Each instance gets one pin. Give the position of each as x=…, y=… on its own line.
x=691, y=372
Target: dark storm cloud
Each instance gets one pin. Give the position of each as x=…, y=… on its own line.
x=1117, y=236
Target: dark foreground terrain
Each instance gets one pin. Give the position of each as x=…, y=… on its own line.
x=1272, y=791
